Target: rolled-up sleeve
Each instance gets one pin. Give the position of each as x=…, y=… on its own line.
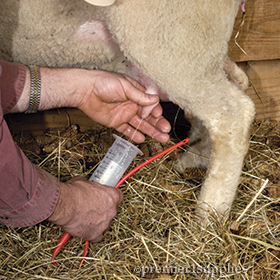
x=28, y=195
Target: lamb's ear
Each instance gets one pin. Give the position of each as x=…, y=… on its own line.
x=101, y=2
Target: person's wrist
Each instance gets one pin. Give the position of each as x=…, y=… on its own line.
x=64, y=208
x=62, y=87
x=35, y=89
x=82, y=86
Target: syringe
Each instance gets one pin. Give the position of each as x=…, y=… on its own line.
x=115, y=162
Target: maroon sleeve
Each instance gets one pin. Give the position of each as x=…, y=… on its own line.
x=12, y=80
x=28, y=195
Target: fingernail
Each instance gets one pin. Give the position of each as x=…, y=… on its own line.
x=152, y=96
x=165, y=130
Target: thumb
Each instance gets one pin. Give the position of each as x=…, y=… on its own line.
x=136, y=93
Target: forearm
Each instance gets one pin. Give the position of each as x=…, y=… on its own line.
x=111, y=99
x=28, y=195
x=60, y=87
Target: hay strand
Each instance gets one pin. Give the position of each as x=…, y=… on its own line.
x=252, y=201
x=155, y=234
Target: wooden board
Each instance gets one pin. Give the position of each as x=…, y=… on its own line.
x=49, y=119
x=260, y=36
x=62, y=118
x=265, y=89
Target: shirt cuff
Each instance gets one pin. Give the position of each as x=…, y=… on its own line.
x=12, y=81
x=39, y=207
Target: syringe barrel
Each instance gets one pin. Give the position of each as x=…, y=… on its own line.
x=115, y=162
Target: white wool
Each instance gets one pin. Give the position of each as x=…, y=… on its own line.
x=180, y=45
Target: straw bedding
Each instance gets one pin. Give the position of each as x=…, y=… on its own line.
x=155, y=234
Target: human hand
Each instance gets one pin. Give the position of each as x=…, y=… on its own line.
x=116, y=101
x=85, y=208
x=112, y=99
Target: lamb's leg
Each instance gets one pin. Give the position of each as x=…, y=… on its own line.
x=227, y=114
x=198, y=153
x=200, y=146
x=235, y=74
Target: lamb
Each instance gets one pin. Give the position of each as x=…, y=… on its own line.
x=174, y=47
